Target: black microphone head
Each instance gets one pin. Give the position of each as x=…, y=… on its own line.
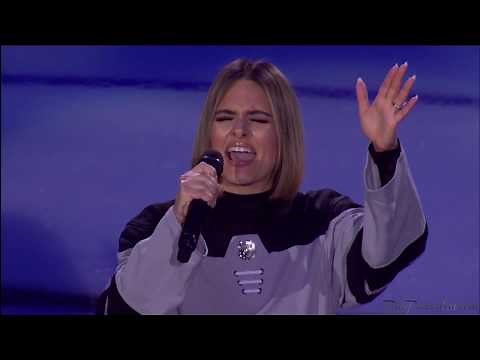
x=213, y=158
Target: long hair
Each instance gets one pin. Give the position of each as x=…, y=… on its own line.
x=289, y=165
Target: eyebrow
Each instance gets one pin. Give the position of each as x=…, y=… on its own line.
x=252, y=112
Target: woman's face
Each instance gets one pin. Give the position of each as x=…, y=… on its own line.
x=243, y=131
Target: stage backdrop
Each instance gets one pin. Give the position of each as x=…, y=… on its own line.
x=93, y=134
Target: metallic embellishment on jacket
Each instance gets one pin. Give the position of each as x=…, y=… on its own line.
x=246, y=283
x=257, y=291
x=249, y=282
x=248, y=272
x=246, y=250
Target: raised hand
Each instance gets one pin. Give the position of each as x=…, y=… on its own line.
x=380, y=119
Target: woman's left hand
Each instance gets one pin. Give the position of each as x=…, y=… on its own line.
x=380, y=119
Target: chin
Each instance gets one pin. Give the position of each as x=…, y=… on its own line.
x=240, y=181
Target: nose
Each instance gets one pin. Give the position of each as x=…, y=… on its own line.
x=241, y=127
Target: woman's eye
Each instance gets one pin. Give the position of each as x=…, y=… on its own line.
x=223, y=118
x=262, y=121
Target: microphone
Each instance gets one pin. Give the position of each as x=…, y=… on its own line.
x=197, y=211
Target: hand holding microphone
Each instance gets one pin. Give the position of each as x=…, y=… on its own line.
x=198, y=190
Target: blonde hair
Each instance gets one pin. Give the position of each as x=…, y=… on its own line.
x=289, y=166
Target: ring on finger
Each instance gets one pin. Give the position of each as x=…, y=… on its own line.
x=399, y=107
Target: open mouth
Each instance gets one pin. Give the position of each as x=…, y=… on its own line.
x=241, y=155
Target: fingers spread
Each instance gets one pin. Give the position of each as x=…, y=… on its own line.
x=399, y=115
x=407, y=86
x=387, y=81
x=362, y=96
x=394, y=87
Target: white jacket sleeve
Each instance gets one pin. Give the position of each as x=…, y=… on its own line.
x=372, y=244
x=149, y=277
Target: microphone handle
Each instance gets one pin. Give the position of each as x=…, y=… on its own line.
x=187, y=242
